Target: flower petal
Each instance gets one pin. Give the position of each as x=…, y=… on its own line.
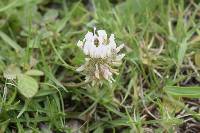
x=106, y=72
x=97, y=72
x=119, y=48
x=112, y=41
x=89, y=36
x=80, y=44
x=81, y=68
x=120, y=57
x=102, y=36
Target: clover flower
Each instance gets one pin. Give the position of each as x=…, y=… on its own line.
x=102, y=56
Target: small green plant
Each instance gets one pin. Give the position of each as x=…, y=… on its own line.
x=51, y=83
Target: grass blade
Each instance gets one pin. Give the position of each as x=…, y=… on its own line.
x=190, y=92
x=10, y=42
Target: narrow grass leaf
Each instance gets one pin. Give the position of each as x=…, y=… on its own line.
x=23, y=109
x=10, y=42
x=45, y=92
x=181, y=52
x=99, y=130
x=119, y=122
x=61, y=24
x=10, y=5
x=197, y=59
x=191, y=92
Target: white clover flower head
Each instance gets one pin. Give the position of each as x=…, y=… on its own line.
x=102, y=56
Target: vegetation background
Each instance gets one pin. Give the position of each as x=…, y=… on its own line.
x=157, y=90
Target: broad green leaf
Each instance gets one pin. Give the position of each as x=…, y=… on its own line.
x=191, y=92
x=34, y=72
x=27, y=85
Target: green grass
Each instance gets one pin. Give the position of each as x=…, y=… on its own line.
x=162, y=46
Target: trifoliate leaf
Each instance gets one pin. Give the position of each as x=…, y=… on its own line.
x=27, y=85
x=11, y=72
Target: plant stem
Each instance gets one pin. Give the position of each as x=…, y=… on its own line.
x=76, y=84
